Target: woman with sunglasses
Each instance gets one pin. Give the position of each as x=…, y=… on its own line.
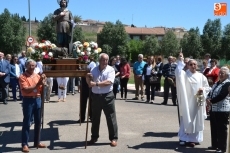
x=15, y=72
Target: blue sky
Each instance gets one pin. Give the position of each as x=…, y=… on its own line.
x=150, y=13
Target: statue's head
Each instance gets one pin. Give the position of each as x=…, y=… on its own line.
x=63, y=3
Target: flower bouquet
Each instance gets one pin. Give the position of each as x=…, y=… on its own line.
x=40, y=51
x=86, y=51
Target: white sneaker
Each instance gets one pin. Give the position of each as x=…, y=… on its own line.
x=152, y=101
x=182, y=143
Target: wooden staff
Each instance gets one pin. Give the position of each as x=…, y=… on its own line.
x=87, y=124
x=80, y=101
x=41, y=113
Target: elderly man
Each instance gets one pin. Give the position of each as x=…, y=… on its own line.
x=168, y=72
x=101, y=79
x=63, y=18
x=4, y=77
x=192, y=87
x=138, y=71
x=22, y=60
x=31, y=84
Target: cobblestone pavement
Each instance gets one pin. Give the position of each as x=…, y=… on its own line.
x=142, y=128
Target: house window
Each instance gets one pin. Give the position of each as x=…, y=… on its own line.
x=136, y=37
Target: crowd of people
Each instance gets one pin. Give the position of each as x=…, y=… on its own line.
x=197, y=94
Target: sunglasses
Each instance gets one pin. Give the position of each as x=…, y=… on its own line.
x=192, y=64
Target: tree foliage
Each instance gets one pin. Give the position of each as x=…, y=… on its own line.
x=169, y=44
x=135, y=48
x=211, y=38
x=191, y=43
x=150, y=46
x=12, y=36
x=77, y=18
x=226, y=42
x=114, y=36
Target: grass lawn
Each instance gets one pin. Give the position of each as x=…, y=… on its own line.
x=131, y=79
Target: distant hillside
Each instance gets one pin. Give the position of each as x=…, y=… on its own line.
x=90, y=32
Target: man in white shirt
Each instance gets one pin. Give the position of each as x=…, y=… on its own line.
x=101, y=79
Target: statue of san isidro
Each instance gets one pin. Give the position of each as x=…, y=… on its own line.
x=64, y=23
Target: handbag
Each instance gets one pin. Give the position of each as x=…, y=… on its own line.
x=116, y=81
x=153, y=79
x=62, y=87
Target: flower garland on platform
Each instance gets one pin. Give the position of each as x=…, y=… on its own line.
x=40, y=51
x=83, y=52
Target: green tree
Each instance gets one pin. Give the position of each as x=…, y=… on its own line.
x=114, y=35
x=211, y=38
x=169, y=44
x=191, y=43
x=225, y=48
x=23, y=18
x=106, y=49
x=12, y=36
x=135, y=48
x=77, y=18
x=151, y=46
x=46, y=29
x=78, y=34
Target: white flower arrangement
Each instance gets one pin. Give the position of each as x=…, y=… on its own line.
x=86, y=50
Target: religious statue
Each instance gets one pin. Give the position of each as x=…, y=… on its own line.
x=64, y=24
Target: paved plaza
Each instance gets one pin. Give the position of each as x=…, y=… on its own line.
x=142, y=128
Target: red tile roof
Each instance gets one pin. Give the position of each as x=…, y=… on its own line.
x=142, y=31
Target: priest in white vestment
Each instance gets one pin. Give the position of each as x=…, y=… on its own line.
x=192, y=116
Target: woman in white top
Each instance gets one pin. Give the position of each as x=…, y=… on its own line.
x=62, y=88
x=15, y=72
x=148, y=71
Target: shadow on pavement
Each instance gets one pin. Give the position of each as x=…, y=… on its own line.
x=61, y=122
x=14, y=137
x=168, y=145
x=161, y=134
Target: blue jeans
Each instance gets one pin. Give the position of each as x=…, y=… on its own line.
x=31, y=107
x=14, y=82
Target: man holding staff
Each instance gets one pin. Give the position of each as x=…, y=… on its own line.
x=31, y=87
x=101, y=80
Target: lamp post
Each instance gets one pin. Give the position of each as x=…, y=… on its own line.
x=29, y=18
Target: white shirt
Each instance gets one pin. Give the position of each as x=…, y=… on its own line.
x=37, y=70
x=149, y=70
x=98, y=76
x=91, y=65
x=17, y=70
x=40, y=65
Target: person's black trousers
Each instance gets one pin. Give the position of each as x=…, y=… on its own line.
x=115, y=87
x=85, y=95
x=158, y=85
x=5, y=89
x=149, y=87
x=106, y=103
x=166, y=92
x=219, y=129
x=123, y=84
